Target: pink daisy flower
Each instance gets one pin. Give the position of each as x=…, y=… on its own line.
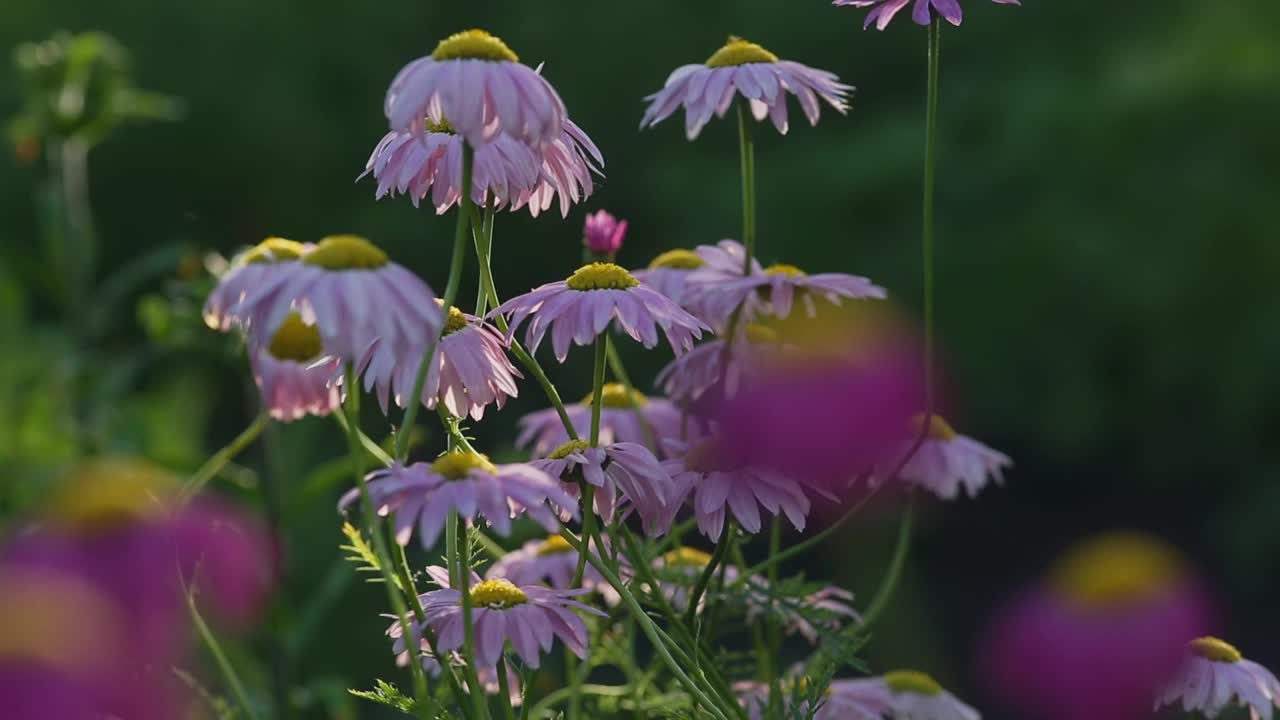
x=746, y=69
x=883, y=11
x=506, y=170
x=602, y=234
x=1105, y=629
x=294, y=376
x=679, y=273
x=551, y=562
x=530, y=616
x=468, y=484
x=716, y=487
x=774, y=291
x=368, y=310
x=658, y=418
x=470, y=372
x=617, y=469
x=477, y=82
x=901, y=695
x=580, y=308
x=1216, y=676
x=947, y=461
x=248, y=271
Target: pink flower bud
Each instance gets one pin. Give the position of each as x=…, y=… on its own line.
x=603, y=234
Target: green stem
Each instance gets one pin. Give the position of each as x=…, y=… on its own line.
x=460, y=554
x=484, y=251
x=367, y=442
x=219, y=460
x=219, y=655
x=450, y=295
x=700, y=587
x=809, y=542
x=746, y=150
x=539, y=711
x=773, y=630
x=930, y=173
x=881, y=599
x=620, y=371
x=504, y=689
x=527, y=360
x=588, y=492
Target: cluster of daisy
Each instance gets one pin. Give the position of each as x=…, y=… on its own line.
x=618, y=478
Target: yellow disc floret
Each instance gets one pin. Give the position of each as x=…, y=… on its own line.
x=573, y=446
x=456, y=464
x=912, y=681
x=939, y=429
x=615, y=395
x=273, y=250
x=346, y=252
x=1115, y=569
x=456, y=321
x=1211, y=648
x=686, y=557
x=497, y=594
x=295, y=340
x=474, y=45
x=678, y=260
x=740, y=52
x=784, y=269
x=554, y=545
x=601, y=276
x=443, y=126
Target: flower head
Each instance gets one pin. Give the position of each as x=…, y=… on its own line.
x=478, y=83
x=773, y=291
x=551, y=561
x=746, y=69
x=294, y=376
x=883, y=11
x=718, y=366
x=1107, y=626
x=629, y=417
x=690, y=277
x=248, y=271
x=946, y=461
x=470, y=371
x=506, y=171
x=621, y=472
x=468, y=484
x=530, y=616
x=580, y=308
x=906, y=695
x=1216, y=676
x=602, y=234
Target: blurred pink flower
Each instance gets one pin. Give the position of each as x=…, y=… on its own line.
x=1100, y=635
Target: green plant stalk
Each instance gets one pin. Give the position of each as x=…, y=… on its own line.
x=526, y=359
x=385, y=562
x=746, y=150
x=450, y=296
x=651, y=630
x=219, y=460
x=700, y=587
x=890, y=583
x=484, y=252
x=367, y=442
x=219, y=655
x=504, y=689
x=587, y=491
x=620, y=371
x=930, y=175
x=772, y=630
x=460, y=557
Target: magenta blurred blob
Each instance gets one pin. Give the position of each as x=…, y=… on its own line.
x=603, y=234
x=1097, y=637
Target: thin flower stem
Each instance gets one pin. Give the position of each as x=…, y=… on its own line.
x=219, y=460
x=620, y=371
x=890, y=583
x=651, y=630
x=722, y=548
x=450, y=295
x=748, y=158
x=504, y=689
x=930, y=173
x=385, y=562
x=809, y=542
x=461, y=554
x=587, y=491
x=483, y=253
x=372, y=447
x=219, y=655
x=773, y=631
x=544, y=705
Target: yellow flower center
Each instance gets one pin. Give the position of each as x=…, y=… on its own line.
x=474, y=45
x=758, y=334
x=784, y=269
x=1211, y=648
x=912, y=681
x=554, y=545
x=939, y=429
x=686, y=557
x=439, y=127
x=601, y=276
x=678, y=260
x=615, y=395
x=346, y=252
x=497, y=594
x=273, y=250
x=740, y=52
x=295, y=340
x=455, y=465
x=572, y=446
x=1115, y=569
x=103, y=491
x=456, y=321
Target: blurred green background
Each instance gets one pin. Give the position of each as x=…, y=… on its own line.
x=1108, y=247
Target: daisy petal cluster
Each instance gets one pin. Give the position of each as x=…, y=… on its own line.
x=922, y=11
x=625, y=416
x=622, y=473
x=1215, y=676
x=946, y=462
